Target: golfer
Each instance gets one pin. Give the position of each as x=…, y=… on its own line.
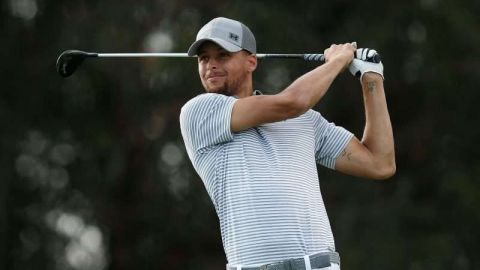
x=257, y=154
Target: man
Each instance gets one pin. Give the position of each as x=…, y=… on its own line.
x=257, y=154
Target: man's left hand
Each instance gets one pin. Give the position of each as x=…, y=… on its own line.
x=363, y=63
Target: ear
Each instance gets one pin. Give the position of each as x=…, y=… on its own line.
x=251, y=62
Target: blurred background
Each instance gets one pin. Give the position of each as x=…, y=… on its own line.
x=94, y=174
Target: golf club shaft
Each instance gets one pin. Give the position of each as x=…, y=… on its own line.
x=69, y=60
x=142, y=55
x=311, y=57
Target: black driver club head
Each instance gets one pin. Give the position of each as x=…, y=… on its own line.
x=69, y=61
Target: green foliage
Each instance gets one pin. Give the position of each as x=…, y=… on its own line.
x=93, y=170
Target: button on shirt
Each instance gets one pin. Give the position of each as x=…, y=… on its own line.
x=263, y=181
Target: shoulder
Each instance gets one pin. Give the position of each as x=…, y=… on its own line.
x=205, y=100
x=208, y=105
x=316, y=120
x=313, y=115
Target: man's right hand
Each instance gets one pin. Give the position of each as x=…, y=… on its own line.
x=344, y=53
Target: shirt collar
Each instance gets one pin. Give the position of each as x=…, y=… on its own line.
x=255, y=93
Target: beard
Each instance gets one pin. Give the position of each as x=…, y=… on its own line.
x=229, y=87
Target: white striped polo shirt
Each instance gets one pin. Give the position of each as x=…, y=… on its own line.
x=263, y=181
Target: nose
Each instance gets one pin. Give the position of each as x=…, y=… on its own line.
x=212, y=63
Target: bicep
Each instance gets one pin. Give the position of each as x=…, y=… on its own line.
x=256, y=110
x=356, y=160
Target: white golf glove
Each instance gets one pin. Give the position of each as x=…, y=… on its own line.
x=364, y=62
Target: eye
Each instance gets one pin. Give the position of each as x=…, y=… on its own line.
x=202, y=58
x=224, y=54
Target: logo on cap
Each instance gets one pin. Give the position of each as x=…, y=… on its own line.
x=233, y=37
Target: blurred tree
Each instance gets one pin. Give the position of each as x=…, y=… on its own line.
x=93, y=170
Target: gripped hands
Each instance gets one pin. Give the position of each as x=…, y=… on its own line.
x=343, y=53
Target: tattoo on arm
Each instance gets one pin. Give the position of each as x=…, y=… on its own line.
x=371, y=86
x=346, y=155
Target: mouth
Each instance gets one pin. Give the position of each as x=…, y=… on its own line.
x=214, y=77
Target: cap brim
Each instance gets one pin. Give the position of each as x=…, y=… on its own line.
x=193, y=50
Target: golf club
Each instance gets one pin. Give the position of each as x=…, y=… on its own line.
x=69, y=60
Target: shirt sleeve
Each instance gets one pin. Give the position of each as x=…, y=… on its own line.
x=330, y=140
x=205, y=121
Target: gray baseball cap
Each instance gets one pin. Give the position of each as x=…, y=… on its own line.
x=231, y=35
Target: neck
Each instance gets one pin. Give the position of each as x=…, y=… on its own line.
x=246, y=89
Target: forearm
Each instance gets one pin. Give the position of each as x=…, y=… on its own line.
x=295, y=100
x=378, y=134
x=308, y=89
